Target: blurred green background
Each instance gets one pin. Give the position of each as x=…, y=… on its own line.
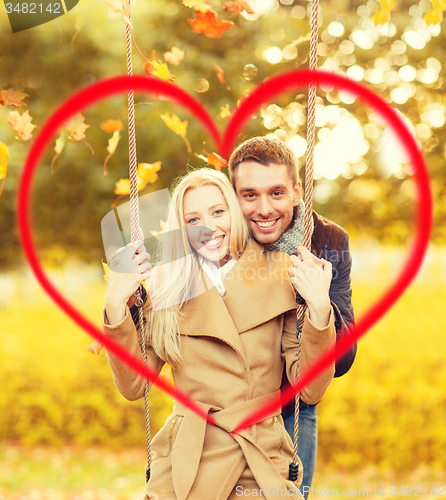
x=65, y=432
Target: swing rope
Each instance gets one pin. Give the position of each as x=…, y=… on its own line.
x=309, y=175
x=134, y=228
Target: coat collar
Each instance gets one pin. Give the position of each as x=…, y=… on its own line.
x=257, y=290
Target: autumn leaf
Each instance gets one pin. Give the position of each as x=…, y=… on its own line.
x=122, y=187
x=237, y=6
x=175, y=56
x=177, y=126
x=383, y=15
x=220, y=73
x=106, y=269
x=208, y=24
x=120, y=7
x=4, y=155
x=12, y=98
x=435, y=16
x=58, y=148
x=111, y=148
x=216, y=161
x=110, y=126
x=76, y=127
x=148, y=171
x=197, y=5
x=225, y=112
x=162, y=72
x=21, y=124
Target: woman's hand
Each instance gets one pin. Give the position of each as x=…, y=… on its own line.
x=128, y=269
x=311, y=277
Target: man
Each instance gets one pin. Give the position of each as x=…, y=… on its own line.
x=264, y=175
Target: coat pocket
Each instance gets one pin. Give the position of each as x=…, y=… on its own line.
x=163, y=441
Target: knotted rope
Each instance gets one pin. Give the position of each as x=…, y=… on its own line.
x=309, y=175
x=134, y=226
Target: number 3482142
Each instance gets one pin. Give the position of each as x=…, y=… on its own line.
x=33, y=8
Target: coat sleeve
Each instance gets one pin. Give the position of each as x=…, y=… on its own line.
x=315, y=342
x=129, y=383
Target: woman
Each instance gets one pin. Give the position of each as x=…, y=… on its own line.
x=222, y=314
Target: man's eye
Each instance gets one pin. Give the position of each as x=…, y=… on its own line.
x=277, y=193
x=249, y=195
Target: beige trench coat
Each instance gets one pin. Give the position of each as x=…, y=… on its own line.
x=233, y=349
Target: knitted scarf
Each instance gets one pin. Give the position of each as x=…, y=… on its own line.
x=294, y=236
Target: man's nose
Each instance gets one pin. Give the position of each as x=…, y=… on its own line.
x=264, y=207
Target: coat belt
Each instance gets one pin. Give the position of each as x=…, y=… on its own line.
x=188, y=447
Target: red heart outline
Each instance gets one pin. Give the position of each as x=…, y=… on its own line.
x=250, y=104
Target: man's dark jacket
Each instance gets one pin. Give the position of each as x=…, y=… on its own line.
x=330, y=242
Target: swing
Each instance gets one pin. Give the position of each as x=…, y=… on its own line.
x=309, y=174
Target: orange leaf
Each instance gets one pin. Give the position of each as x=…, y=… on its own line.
x=383, y=15
x=220, y=73
x=110, y=126
x=208, y=24
x=237, y=6
x=76, y=127
x=21, y=124
x=435, y=16
x=12, y=98
x=217, y=161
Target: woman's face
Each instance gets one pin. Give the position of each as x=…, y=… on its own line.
x=208, y=222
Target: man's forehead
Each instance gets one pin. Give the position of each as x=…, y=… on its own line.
x=261, y=176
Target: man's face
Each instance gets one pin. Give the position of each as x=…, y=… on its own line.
x=267, y=197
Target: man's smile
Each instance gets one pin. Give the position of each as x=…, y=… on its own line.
x=266, y=225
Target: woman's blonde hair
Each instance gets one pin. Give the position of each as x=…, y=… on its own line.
x=177, y=277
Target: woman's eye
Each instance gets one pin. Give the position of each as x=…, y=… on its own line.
x=192, y=221
x=219, y=212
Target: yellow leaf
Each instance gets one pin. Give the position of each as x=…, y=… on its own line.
x=12, y=97
x=225, y=112
x=162, y=72
x=148, y=171
x=21, y=124
x=60, y=142
x=123, y=186
x=435, y=16
x=383, y=15
x=175, y=124
x=175, y=56
x=4, y=155
x=113, y=142
x=76, y=127
x=198, y=5
x=216, y=161
x=106, y=269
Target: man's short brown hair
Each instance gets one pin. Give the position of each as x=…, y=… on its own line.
x=264, y=150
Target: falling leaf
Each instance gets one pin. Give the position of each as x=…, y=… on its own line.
x=435, y=16
x=58, y=148
x=106, y=270
x=162, y=72
x=177, y=126
x=225, y=112
x=21, y=124
x=113, y=142
x=237, y=6
x=4, y=155
x=383, y=15
x=76, y=127
x=122, y=187
x=197, y=5
x=175, y=56
x=148, y=171
x=208, y=24
x=12, y=98
x=220, y=73
x=216, y=161
x=110, y=126
x=120, y=7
